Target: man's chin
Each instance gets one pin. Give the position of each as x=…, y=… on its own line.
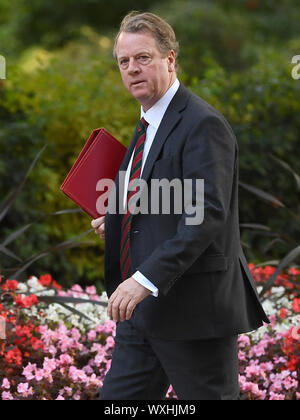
x=142, y=96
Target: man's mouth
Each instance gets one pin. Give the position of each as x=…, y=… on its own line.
x=137, y=83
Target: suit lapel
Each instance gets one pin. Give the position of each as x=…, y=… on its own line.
x=169, y=122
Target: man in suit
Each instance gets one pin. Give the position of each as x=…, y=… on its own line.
x=180, y=292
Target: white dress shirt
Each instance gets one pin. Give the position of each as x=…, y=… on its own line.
x=153, y=117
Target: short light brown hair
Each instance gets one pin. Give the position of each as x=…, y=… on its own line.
x=162, y=32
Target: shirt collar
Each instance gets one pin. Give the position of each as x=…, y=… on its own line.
x=155, y=114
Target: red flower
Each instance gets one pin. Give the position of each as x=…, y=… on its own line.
x=45, y=280
x=36, y=344
x=293, y=363
x=294, y=272
x=14, y=356
x=23, y=331
x=27, y=302
x=56, y=285
x=10, y=285
x=284, y=313
x=296, y=305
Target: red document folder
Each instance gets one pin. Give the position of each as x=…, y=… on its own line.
x=100, y=158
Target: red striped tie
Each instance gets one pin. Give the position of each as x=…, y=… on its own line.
x=135, y=173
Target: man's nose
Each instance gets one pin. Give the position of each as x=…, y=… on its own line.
x=133, y=67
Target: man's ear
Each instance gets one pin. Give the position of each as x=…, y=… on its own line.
x=171, y=61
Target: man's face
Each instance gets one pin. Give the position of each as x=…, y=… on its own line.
x=145, y=72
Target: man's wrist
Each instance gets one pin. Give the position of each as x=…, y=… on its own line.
x=141, y=279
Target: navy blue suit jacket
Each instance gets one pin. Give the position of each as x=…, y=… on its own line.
x=205, y=287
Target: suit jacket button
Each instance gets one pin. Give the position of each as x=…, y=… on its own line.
x=136, y=231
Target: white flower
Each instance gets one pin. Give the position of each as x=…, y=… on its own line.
x=34, y=285
x=22, y=288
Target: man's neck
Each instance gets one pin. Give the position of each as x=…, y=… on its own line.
x=146, y=107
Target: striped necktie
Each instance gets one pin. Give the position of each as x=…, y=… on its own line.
x=135, y=173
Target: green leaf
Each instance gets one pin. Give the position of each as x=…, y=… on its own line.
x=68, y=299
x=75, y=311
x=260, y=193
x=255, y=226
x=289, y=169
x=64, y=245
x=9, y=253
x=13, y=196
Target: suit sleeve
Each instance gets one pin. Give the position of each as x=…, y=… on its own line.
x=209, y=154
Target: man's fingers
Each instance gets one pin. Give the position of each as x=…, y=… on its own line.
x=99, y=226
x=115, y=309
x=97, y=222
x=129, y=311
x=110, y=302
x=123, y=310
x=100, y=230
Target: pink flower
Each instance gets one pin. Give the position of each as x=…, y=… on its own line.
x=77, y=290
x=273, y=320
x=77, y=396
x=39, y=375
x=27, y=371
x=5, y=384
x=110, y=342
x=67, y=390
x=65, y=359
x=242, y=356
x=6, y=396
x=92, y=335
x=76, y=334
x=244, y=341
x=60, y=398
x=93, y=380
x=110, y=327
x=276, y=397
x=91, y=290
x=268, y=366
x=24, y=390
x=100, y=328
x=253, y=371
x=49, y=365
x=52, y=350
x=77, y=375
x=88, y=370
x=276, y=385
x=290, y=383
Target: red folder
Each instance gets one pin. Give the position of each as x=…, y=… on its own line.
x=100, y=158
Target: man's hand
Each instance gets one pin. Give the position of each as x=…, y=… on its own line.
x=125, y=298
x=99, y=226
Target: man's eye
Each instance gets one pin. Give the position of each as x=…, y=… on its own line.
x=123, y=62
x=143, y=59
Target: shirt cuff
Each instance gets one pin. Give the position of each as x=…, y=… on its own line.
x=140, y=278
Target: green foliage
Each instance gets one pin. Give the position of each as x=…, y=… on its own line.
x=232, y=34
x=53, y=23
x=18, y=266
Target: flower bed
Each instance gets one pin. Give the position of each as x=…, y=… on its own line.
x=52, y=353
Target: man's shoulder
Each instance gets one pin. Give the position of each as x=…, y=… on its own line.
x=198, y=104
x=199, y=110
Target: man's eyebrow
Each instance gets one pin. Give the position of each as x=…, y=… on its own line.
x=139, y=53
